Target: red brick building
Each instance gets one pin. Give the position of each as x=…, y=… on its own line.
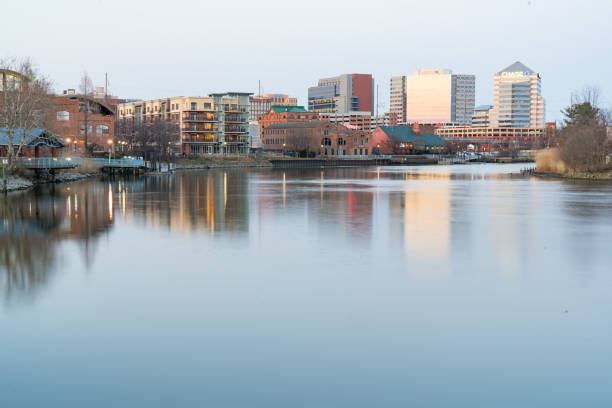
x=405, y=140
x=285, y=114
x=320, y=138
x=73, y=115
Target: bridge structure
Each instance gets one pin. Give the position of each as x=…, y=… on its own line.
x=49, y=163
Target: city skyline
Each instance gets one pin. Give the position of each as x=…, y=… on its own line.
x=211, y=57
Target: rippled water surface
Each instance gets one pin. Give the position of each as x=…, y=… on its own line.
x=358, y=287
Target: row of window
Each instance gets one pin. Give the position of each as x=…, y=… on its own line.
x=100, y=129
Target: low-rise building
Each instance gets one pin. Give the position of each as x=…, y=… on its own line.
x=285, y=114
x=402, y=140
x=261, y=104
x=486, y=138
x=320, y=138
x=78, y=119
x=356, y=120
x=481, y=116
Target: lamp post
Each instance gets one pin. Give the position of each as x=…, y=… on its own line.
x=110, y=146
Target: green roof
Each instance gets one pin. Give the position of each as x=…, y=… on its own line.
x=282, y=108
x=405, y=134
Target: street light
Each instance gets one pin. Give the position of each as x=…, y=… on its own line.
x=110, y=146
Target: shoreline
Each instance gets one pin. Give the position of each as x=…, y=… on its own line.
x=19, y=183
x=601, y=176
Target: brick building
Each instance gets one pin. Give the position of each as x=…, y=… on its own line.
x=320, y=138
x=285, y=114
x=73, y=115
x=405, y=140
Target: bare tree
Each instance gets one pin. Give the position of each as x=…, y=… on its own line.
x=24, y=103
x=583, y=148
x=301, y=141
x=86, y=90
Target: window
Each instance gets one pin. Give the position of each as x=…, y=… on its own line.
x=193, y=106
x=82, y=129
x=207, y=105
x=63, y=115
x=102, y=130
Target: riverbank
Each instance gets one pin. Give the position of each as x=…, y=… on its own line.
x=233, y=161
x=578, y=176
x=20, y=182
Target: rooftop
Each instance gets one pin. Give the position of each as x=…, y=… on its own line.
x=283, y=108
x=517, y=67
x=293, y=125
x=405, y=134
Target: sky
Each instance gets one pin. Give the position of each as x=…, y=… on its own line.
x=154, y=49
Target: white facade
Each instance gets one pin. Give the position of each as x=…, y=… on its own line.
x=481, y=116
x=435, y=96
x=518, y=98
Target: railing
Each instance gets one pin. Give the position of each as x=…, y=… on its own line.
x=122, y=163
x=361, y=156
x=49, y=163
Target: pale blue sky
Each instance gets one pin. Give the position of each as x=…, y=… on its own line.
x=163, y=48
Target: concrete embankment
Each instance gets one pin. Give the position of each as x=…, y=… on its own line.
x=214, y=162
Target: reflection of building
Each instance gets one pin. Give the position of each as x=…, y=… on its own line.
x=421, y=220
x=518, y=98
x=342, y=94
x=32, y=225
x=434, y=96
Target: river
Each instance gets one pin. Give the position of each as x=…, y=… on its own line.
x=432, y=286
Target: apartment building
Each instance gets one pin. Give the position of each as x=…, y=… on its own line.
x=217, y=124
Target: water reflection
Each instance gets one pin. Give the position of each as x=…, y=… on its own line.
x=34, y=223
x=435, y=219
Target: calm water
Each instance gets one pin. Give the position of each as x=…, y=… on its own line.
x=370, y=287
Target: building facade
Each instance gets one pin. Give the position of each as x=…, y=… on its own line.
x=487, y=138
x=356, y=120
x=518, y=98
x=342, y=94
x=79, y=119
x=261, y=104
x=481, y=116
x=285, y=114
x=397, y=103
x=316, y=138
x=402, y=140
x=433, y=96
x=217, y=124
